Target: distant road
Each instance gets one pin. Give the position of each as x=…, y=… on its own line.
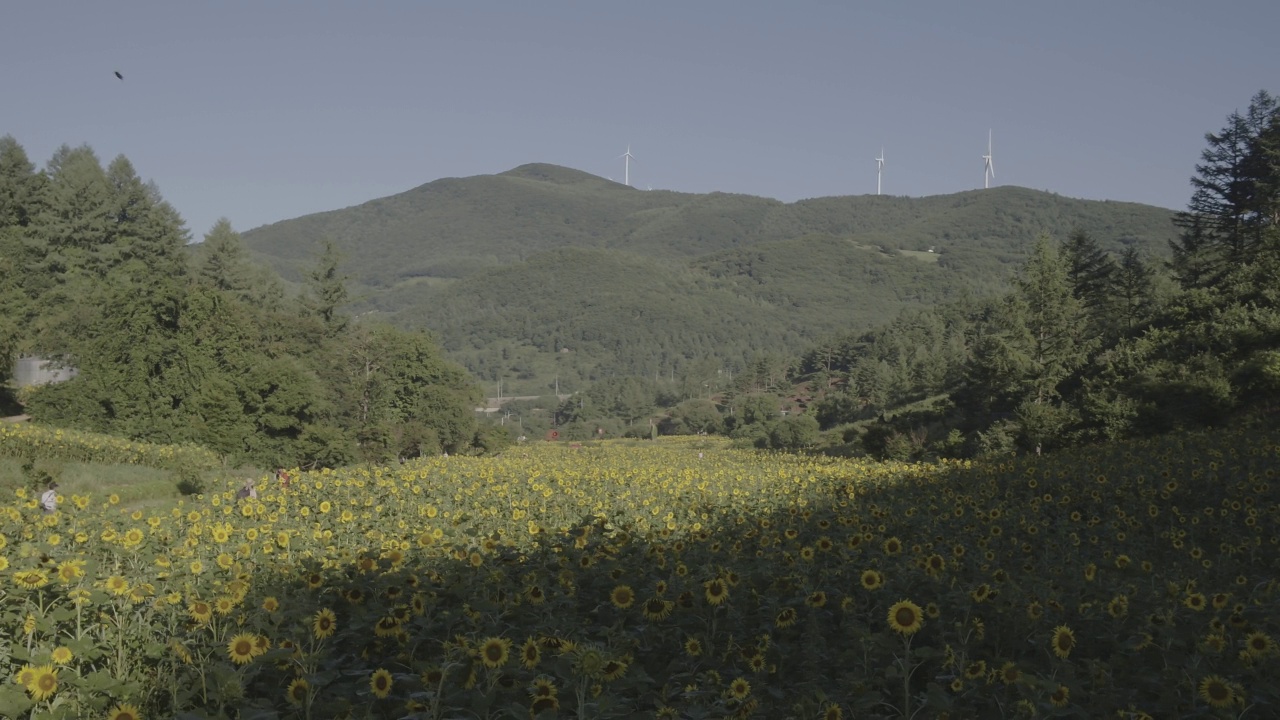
x=493, y=404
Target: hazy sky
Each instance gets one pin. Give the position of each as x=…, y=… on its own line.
x=262, y=111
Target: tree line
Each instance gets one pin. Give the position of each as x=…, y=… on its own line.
x=176, y=342
x=1088, y=344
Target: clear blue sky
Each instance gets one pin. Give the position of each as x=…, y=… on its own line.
x=263, y=111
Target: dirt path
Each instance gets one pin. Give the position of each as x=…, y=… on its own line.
x=16, y=418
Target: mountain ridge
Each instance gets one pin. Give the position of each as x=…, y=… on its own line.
x=433, y=255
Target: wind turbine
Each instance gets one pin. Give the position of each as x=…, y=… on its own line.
x=628, y=157
x=879, y=169
x=988, y=169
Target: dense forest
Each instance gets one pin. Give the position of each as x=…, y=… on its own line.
x=180, y=343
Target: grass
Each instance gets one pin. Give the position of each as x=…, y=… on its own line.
x=137, y=486
x=921, y=255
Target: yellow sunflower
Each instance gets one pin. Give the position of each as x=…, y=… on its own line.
x=241, y=649
x=716, y=591
x=124, y=711
x=935, y=564
x=386, y=627
x=297, y=692
x=656, y=609
x=613, y=670
x=785, y=618
x=324, y=623
x=622, y=597
x=739, y=689
x=30, y=579
x=542, y=703
x=62, y=655
x=693, y=647
x=70, y=571
x=44, y=682
x=494, y=652
x=530, y=654
x=380, y=683
x=905, y=617
x=1259, y=644
x=543, y=687
x=1063, y=641
x=200, y=611
x=1217, y=691
x=872, y=579
x=1061, y=696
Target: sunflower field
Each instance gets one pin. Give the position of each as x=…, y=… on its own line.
x=666, y=580
x=28, y=440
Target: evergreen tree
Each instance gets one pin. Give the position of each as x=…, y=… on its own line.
x=994, y=379
x=147, y=229
x=13, y=309
x=74, y=214
x=1055, y=321
x=1235, y=199
x=223, y=262
x=1134, y=291
x=19, y=184
x=1091, y=273
x=327, y=290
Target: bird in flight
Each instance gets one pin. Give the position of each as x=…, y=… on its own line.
x=119, y=75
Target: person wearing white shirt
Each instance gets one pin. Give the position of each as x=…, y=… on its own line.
x=49, y=498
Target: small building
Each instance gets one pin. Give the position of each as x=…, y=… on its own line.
x=32, y=370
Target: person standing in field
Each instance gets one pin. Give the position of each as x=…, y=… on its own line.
x=49, y=498
x=283, y=477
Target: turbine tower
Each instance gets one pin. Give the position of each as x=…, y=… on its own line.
x=879, y=169
x=988, y=169
x=627, y=158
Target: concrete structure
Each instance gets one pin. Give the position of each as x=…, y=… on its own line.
x=31, y=370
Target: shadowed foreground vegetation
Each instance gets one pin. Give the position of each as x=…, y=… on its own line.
x=673, y=579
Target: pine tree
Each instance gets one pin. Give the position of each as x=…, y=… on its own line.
x=1134, y=290
x=1235, y=202
x=19, y=187
x=224, y=261
x=1055, y=320
x=327, y=290
x=147, y=229
x=19, y=184
x=1090, y=272
x=75, y=215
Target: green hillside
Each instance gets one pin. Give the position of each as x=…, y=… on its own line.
x=508, y=269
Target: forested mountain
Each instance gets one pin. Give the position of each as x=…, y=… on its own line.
x=507, y=270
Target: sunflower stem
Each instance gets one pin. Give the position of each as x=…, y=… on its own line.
x=906, y=677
